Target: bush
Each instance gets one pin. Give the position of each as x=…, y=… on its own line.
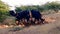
x=4, y=8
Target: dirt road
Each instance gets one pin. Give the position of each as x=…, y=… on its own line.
x=51, y=28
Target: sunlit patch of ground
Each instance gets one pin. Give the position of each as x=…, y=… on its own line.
x=3, y=26
x=50, y=19
x=6, y=26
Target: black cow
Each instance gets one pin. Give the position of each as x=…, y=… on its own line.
x=22, y=15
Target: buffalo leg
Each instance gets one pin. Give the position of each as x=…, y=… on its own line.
x=17, y=22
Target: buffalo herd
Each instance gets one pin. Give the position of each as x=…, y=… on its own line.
x=27, y=17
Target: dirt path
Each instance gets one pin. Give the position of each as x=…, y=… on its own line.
x=51, y=28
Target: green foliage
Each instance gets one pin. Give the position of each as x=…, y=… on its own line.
x=48, y=6
x=3, y=10
x=18, y=9
x=52, y=6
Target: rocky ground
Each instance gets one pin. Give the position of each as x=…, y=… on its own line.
x=53, y=27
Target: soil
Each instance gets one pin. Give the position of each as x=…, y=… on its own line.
x=53, y=27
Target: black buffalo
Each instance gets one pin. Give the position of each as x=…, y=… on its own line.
x=21, y=15
x=37, y=15
x=26, y=14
